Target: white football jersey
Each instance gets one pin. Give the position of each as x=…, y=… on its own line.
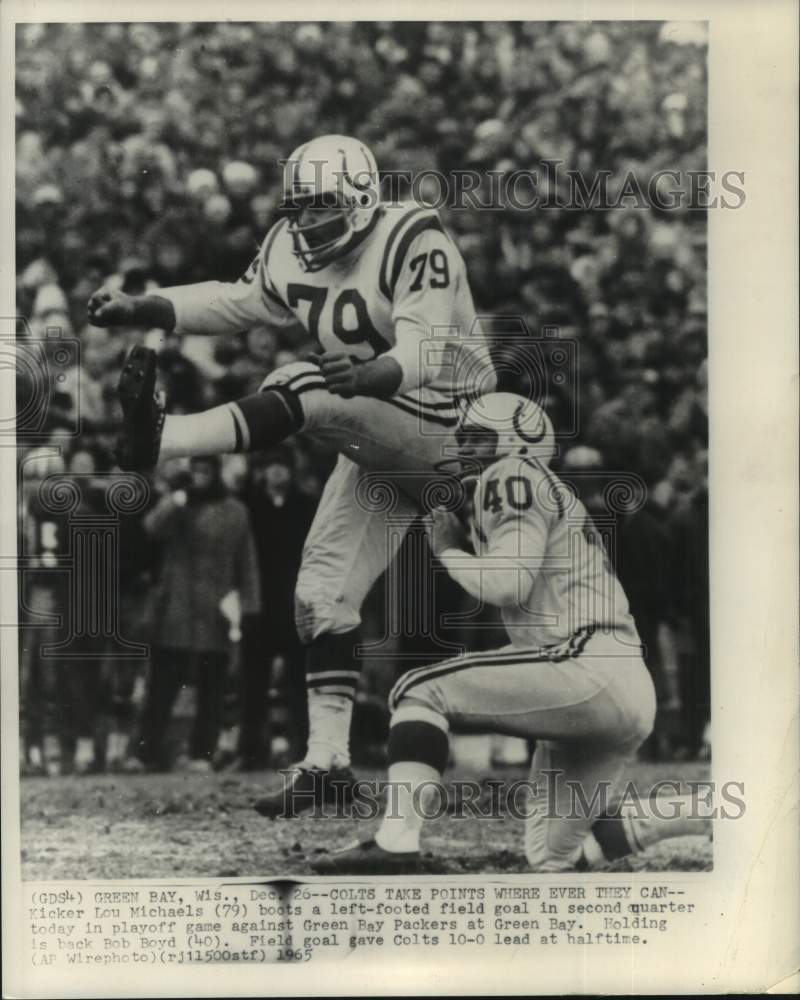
x=405, y=278
x=527, y=522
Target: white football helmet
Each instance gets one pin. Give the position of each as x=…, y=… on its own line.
x=500, y=424
x=331, y=172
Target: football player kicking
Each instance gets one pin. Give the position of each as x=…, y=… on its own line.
x=384, y=291
x=572, y=677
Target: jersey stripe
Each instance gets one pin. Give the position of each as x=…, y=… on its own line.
x=240, y=428
x=303, y=380
x=270, y=292
x=569, y=649
x=309, y=383
x=391, y=239
x=552, y=652
x=326, y=674
x=317, y=378
x=345, y=690
x=451, y=405
x=415, y=410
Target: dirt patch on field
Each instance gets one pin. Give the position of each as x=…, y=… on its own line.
x=177, y=825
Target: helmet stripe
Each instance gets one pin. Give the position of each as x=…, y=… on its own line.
x=295, y=161
x=370, y=164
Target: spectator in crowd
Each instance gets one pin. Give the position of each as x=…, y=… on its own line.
x=280, y=516
x=207, y=553
x=65, y=676
x=43, y=538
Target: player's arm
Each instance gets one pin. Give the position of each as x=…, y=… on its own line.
x=207, y=307
x=114, y=308
x=423, y=305
x=502, y=576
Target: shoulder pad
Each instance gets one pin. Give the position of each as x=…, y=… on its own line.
x=409, y=221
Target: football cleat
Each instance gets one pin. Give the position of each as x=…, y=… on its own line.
x=368, y=858
x=308, y=788
x=142, y=412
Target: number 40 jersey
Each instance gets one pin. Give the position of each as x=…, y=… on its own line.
x=402, y=290
x=527, y=524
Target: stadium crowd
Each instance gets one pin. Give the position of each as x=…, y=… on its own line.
x=147, y=155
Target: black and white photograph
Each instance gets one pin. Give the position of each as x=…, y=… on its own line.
x=362, y=448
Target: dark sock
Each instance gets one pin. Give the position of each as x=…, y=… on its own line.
x=418, y=741
x=331, y=665
x=266, y=418
x=611, y=836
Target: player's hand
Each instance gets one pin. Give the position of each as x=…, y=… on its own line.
x=107, y=308
x=339, y=372
x=445, y=531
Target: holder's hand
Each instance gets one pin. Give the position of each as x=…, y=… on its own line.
x=445, y=531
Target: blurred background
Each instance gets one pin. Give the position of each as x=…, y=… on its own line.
x=147, y=155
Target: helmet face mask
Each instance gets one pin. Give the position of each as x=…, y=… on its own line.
x=319, y=240
x=477, y=445
x=337, y=177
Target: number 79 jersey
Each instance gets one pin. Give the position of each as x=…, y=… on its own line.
x=402, y=290
x=527, y=521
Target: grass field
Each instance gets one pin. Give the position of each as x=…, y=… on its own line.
x=179, y=825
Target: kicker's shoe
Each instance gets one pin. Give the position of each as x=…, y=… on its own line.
x=142, y=412
x=308, y=788
x=368, y=858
